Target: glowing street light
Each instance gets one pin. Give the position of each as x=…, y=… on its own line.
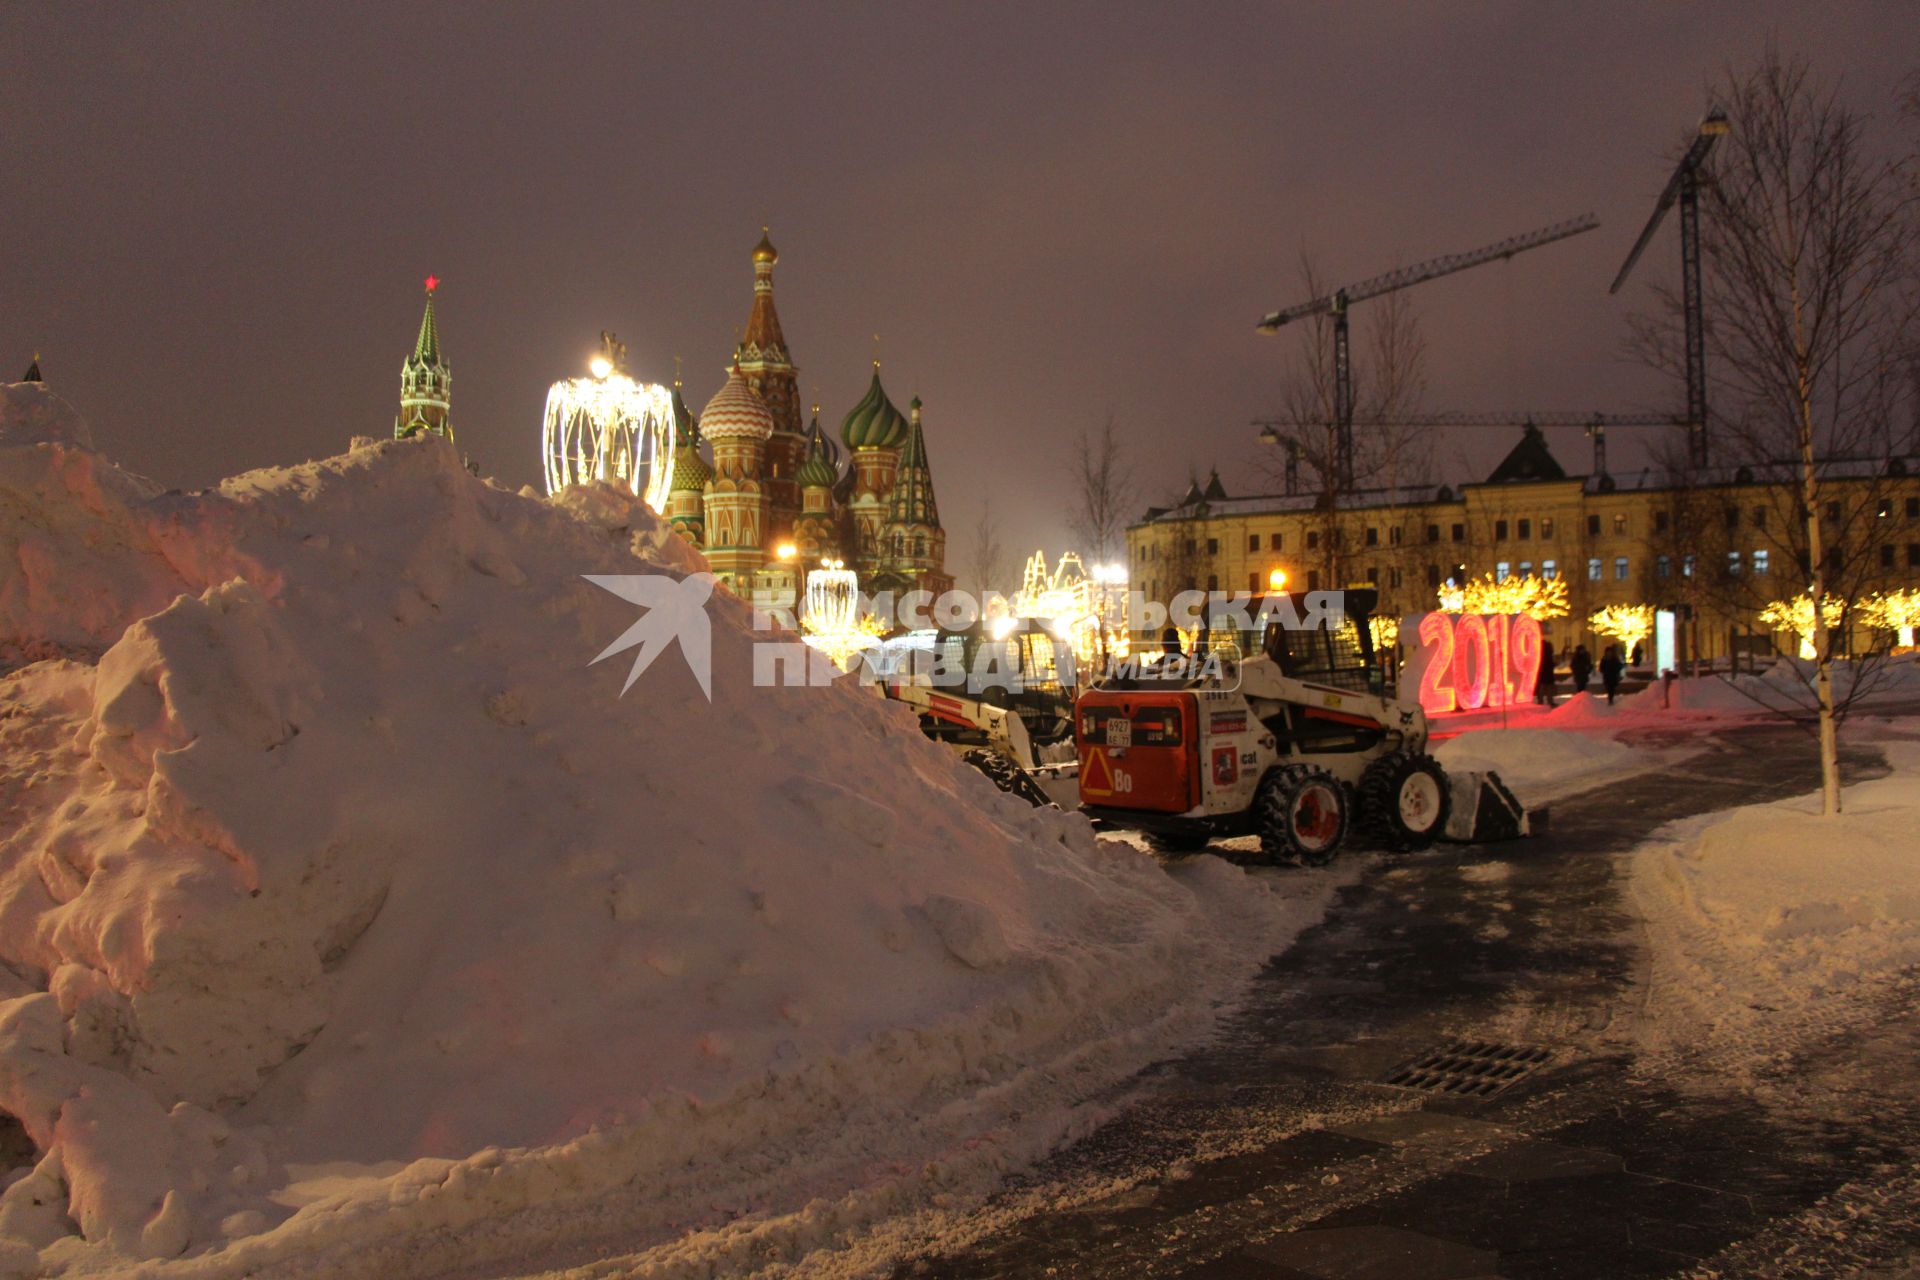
x=786, y=551
x=1276, y=579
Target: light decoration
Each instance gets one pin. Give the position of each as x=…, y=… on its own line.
x=1897, y=611
x=1538, y=598
x=1627, y=623
x=609, y=427
x=1474, y=661
x=830, y=617
x=1065, y=598
x=1796, y=615
x=1386, y=632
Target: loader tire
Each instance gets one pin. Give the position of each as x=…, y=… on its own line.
x=1178, y=841
x=1403, y=801
x=1302, y=813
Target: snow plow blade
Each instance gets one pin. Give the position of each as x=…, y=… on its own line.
x=1484, y=809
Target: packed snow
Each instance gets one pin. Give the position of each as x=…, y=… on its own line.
x=353, y=924
x=1540, y=765
x=1770, y=920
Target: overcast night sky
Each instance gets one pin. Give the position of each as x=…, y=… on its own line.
x=217, y=216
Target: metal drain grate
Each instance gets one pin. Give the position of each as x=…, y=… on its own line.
x=1470, y=1068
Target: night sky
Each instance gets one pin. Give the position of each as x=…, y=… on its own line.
x=217, y=217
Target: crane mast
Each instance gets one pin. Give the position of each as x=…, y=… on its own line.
x=1337, y=303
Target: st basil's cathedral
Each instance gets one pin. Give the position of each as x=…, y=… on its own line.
x=774, y=498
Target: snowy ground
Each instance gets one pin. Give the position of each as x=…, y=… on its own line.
x=1770, y=923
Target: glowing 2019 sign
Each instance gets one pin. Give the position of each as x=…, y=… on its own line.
x=1471, y=661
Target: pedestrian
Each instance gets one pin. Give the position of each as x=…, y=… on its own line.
x=1543, y=686
x=1639, y=656
x=1580, y=667
x=1611, y=668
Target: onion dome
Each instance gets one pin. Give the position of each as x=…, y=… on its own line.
x=735, y=413
x=818, y=471
x=764, y=251
x=690, y=470
x=874, y=423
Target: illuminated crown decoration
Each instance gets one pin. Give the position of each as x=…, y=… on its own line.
x=610, y=428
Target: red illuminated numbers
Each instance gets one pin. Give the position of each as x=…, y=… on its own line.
x=1471, y=661
x=1526, y=655
x=1436, y=682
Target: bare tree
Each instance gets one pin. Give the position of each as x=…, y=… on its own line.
x=1389, y=383
x=987, y=558
x=1807, y=244
x=1103, y=494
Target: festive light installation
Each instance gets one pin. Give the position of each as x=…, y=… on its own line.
x=1065, y=598
x=1893, y=611
x=1538, y=598
x=1386, y=632
x=1474, y=661
x=1796, y=615
x=609, y=427
x=830, y=617
x=1627, y=623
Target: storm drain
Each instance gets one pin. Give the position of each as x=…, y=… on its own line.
x=1470, y=1068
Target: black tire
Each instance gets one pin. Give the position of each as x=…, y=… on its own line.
x=1404, y=801
x=1008, y=776
x=1178, y=841
x=1302, y=813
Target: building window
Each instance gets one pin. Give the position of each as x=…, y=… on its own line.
x=1546, y=527
x=1733, y=564
x=1733, y=517
x=1526, y=568
x=1313, y=540
x=1883, y=508
x=1526, y=528
x=1459, y=533
x=1593, y=526
x=1913, y=555
x=1593, y=567
x=1213, y=546
x=1273, y=542
x=1686, y=566
x=1759, y=517
x=1502, y=571
x=1619, y=526
x=1663, y=566
x=1433, y=533
x=1760, y=559
x=1313, y=579
x=1659, y=522
x=1433, y=574
x=1499, y=530
x=1373, y=535
x=1192, y=546
x=1913, y=508
x=1253, y=542
x=1253, y=584
x=1393, y=577
x=1393, y=535
x=1549, y=570
x=1833, y=512
x=1886, y=556
x=1213, y=582
x=1619, y=568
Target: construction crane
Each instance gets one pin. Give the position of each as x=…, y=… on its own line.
x=1684, y=186
x=1336, y=304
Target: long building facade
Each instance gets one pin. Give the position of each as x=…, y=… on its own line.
x=1714, y=547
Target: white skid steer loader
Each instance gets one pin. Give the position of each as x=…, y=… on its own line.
x=1290, y=734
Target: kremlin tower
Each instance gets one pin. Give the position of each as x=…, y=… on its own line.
x=426, y=382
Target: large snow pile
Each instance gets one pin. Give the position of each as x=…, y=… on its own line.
x=353, y=924
x=1768, y=918
x=1543, y=764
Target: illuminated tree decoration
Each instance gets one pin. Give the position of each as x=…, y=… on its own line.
x=1892, y=610
x=1627, y=623
x=830, y=618
x=1386, y=632
x=1537, y=598
x=610, y=428
x=1796, y=615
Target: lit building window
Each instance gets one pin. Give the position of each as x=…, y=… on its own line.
x=1619, y=568
x=1619, y=526
x=1733, y=563
x=1686, y=567
x=1548, y=569
x=1593, y=567
x=1546, y=527
x=1663, y=566
x=1502, y=571
x=1760, y=565
x=1526, y=567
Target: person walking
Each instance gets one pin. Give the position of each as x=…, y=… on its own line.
x=1580, y=667
x=1611, y=668
x=1543, y=685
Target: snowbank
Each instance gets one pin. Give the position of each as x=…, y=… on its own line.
x=354, y=924
x=1540, y=765
x=1772, y=916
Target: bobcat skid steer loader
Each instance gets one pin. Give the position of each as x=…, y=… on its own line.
x=1291, y=735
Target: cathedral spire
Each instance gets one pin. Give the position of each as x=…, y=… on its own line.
x=33, y=370
x=911, y=502
x=426, y=380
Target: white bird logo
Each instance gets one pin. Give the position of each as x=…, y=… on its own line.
x=676, y=609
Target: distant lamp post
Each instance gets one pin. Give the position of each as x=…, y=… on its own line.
x=1276, y=579
x=786, y=551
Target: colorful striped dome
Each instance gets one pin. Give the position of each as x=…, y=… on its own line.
x=874, y=423
x=735, y=412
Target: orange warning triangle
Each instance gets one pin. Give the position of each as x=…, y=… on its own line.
x=1096, y=766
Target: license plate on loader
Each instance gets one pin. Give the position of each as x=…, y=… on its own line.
x=1120, y=732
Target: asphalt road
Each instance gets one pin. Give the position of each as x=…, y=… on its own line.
x=1281, y=1150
